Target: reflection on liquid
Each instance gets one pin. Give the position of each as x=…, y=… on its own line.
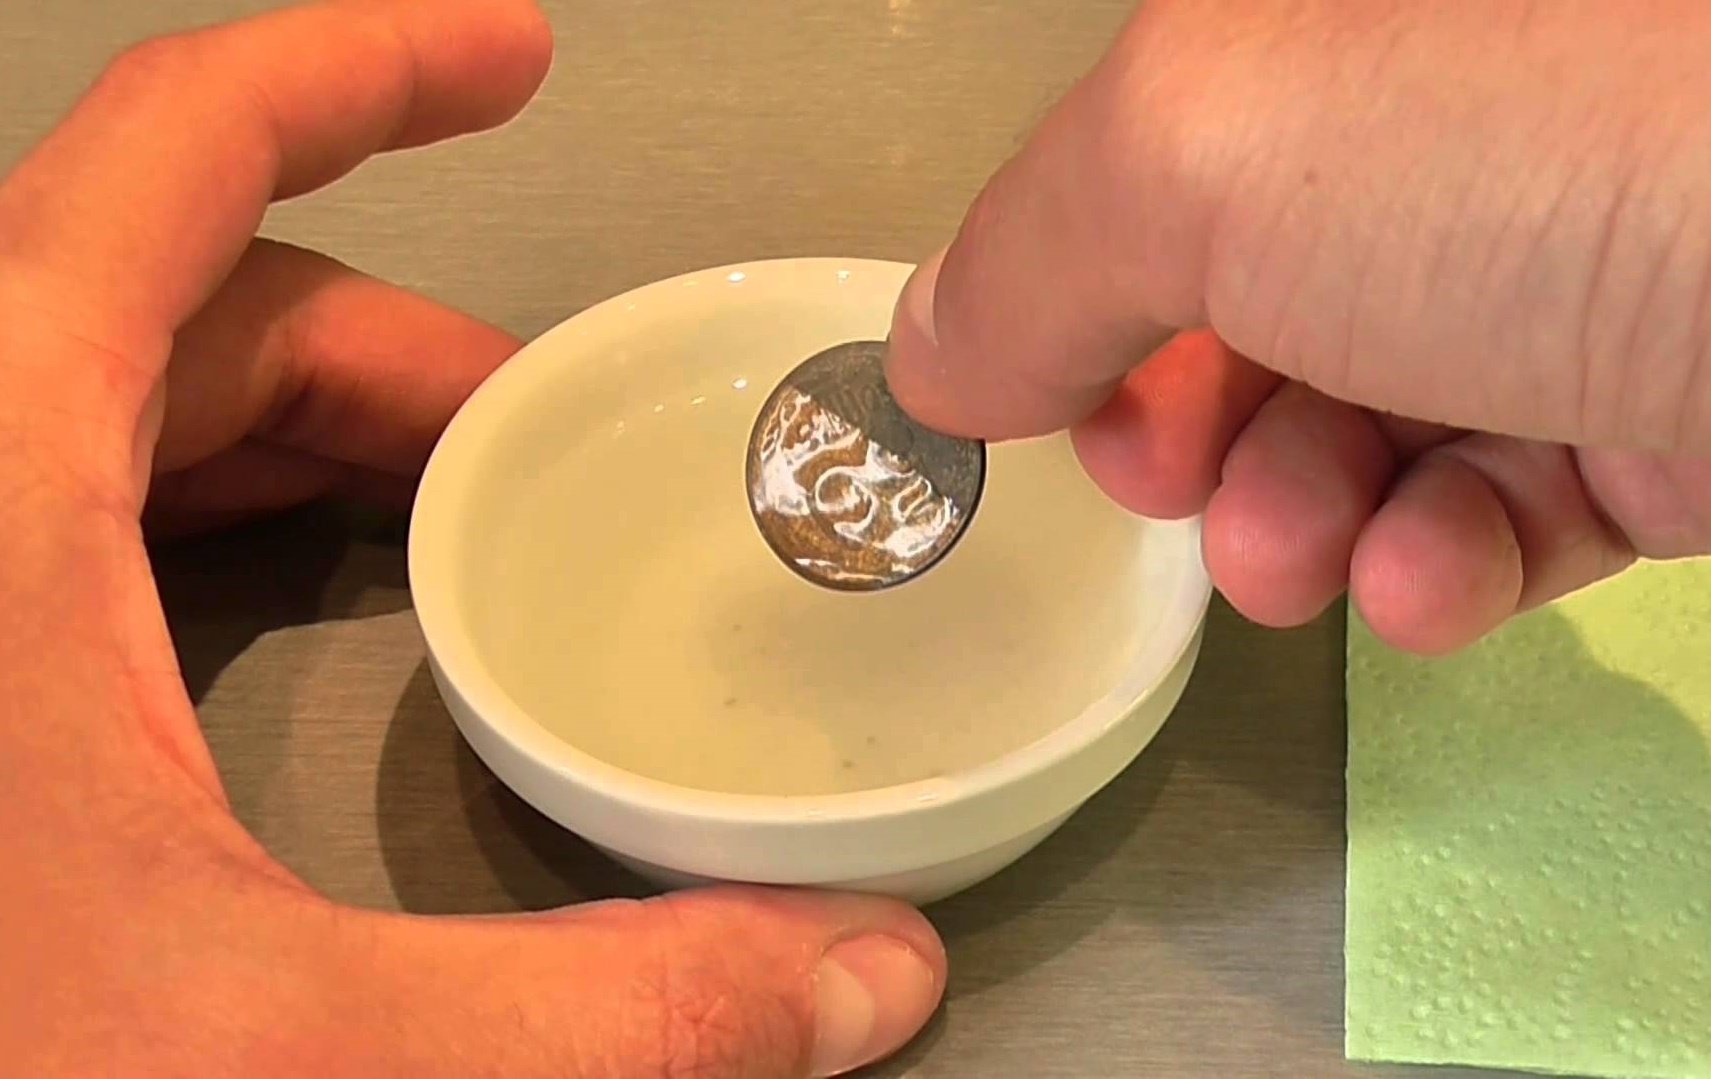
x=838, y=505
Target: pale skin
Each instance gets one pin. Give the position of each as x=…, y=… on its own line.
x=1252, y=227
x=1419, y=287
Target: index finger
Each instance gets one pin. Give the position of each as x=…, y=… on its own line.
x=135, y=208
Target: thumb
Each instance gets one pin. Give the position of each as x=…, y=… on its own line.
x=1079, y=258
x=718, y=984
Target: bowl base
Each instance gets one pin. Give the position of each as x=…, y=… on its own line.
x=918, y=887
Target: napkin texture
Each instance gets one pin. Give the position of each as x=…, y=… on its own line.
x=1529, y=827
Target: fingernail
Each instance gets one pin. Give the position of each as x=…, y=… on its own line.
x=917, y=301
x=872, y=994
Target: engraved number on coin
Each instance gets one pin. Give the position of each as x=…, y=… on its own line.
x=846, y=488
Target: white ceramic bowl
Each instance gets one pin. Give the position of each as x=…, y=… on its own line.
x=920, y=841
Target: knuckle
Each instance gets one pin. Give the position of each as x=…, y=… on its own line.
x=1169, y=88
x=164, y=59
x=694, y=1016
x=1170, y=108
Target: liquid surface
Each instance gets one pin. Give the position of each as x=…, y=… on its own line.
x=625, y=599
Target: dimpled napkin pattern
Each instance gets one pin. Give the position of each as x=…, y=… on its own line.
x=1529, y=827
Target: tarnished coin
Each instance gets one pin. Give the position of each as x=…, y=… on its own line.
x=848, y=490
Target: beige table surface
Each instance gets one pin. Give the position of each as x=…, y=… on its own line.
x=1187, y=923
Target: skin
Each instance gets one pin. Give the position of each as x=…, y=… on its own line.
x=1407, y=297
x=158, y=362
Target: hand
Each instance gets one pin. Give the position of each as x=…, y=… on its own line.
x=144, y=333
x=1444, y=271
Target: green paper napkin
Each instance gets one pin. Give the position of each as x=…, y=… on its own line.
x=1530, y=839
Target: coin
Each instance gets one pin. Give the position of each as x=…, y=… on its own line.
x=848, y=490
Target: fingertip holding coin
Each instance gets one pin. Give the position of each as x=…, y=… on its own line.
x=847, y=489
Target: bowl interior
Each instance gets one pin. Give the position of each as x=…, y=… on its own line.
x=588, y=574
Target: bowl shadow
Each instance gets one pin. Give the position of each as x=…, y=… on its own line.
x=456, y=840
x=222, y=591
x=1153, y=844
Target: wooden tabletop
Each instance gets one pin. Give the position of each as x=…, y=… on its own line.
x=1188, y=922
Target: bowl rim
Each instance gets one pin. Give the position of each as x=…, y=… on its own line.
x=435, y=586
